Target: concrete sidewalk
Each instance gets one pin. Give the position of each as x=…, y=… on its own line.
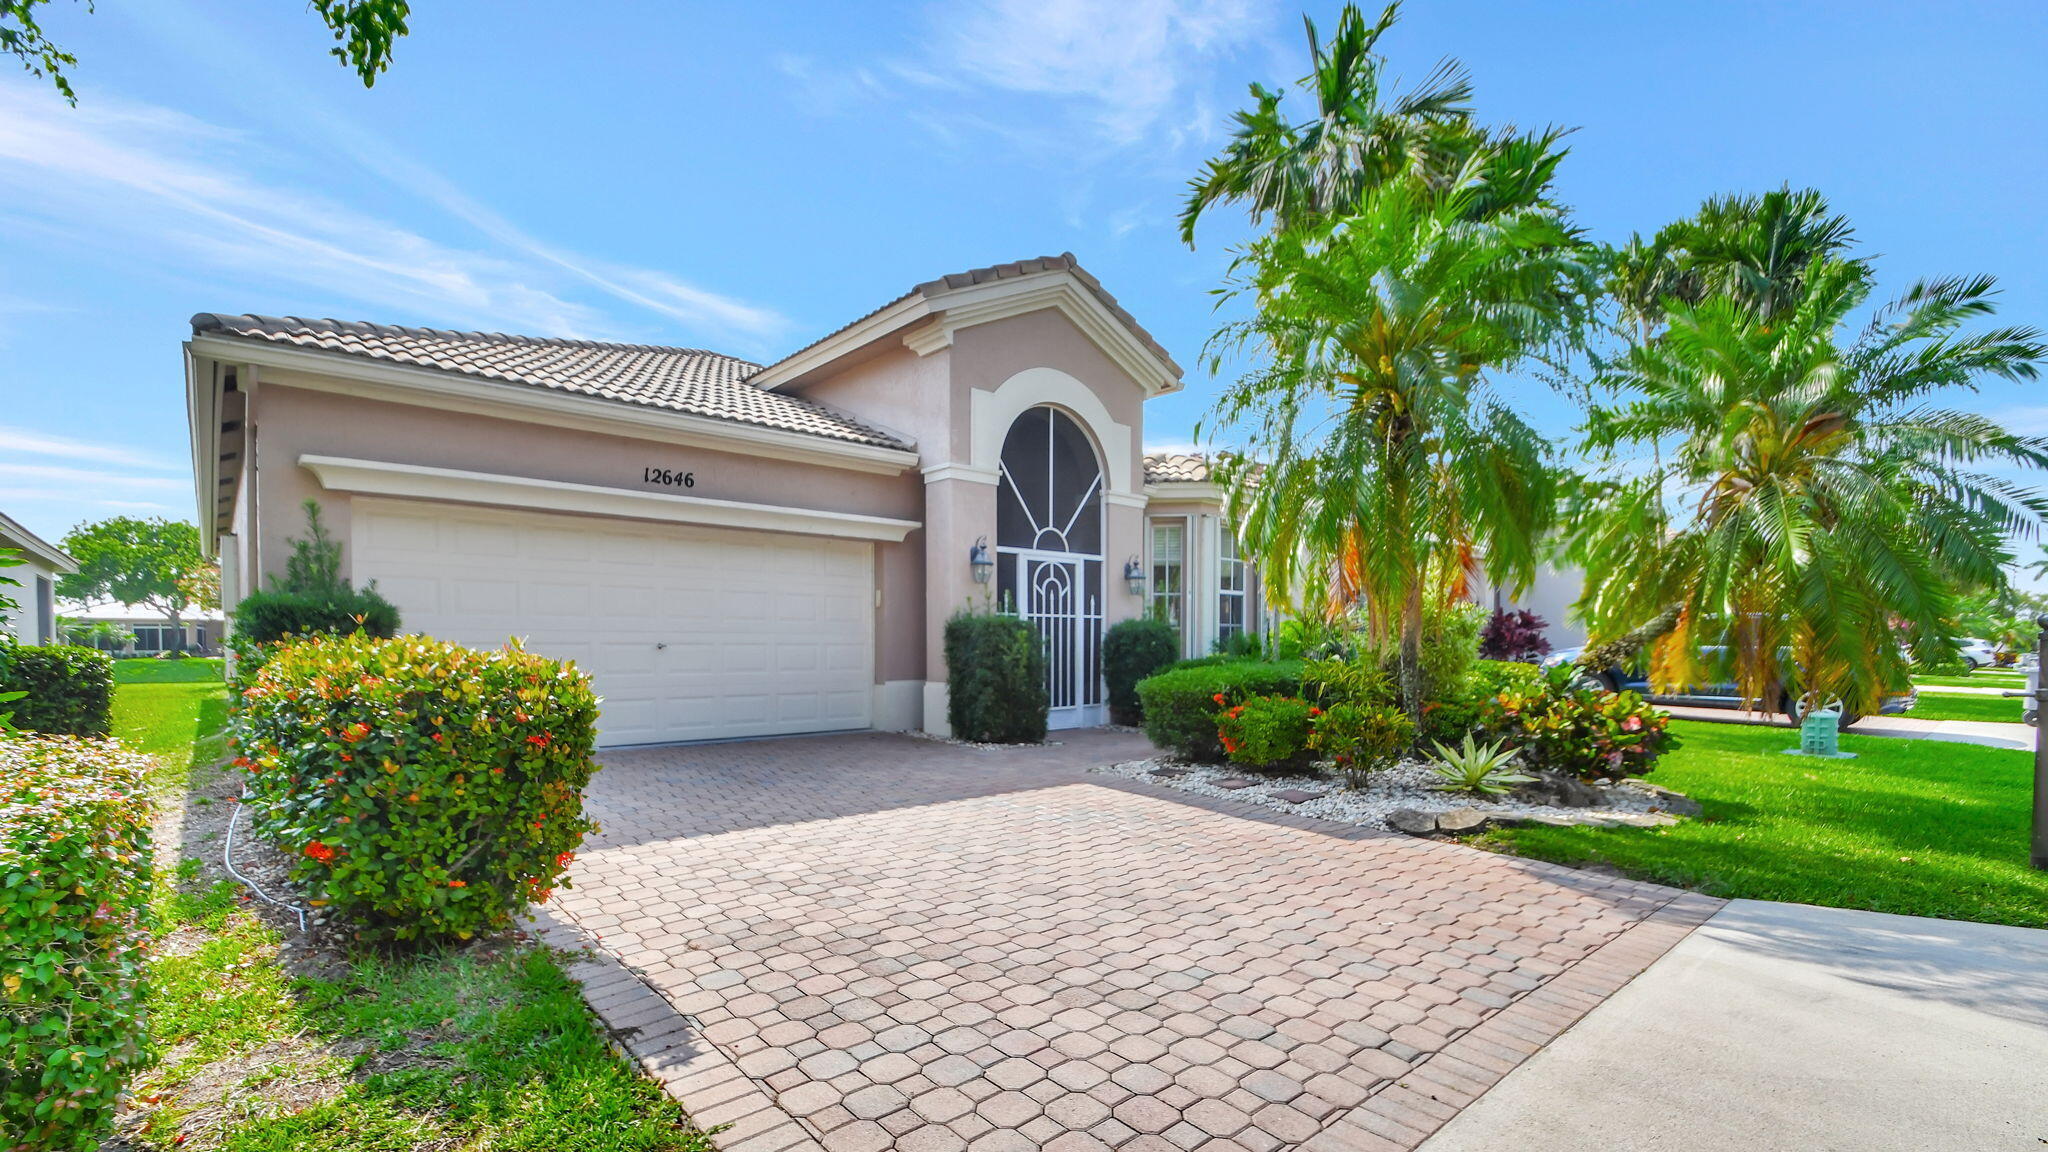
x=1790, y=1028
x=1987, y=733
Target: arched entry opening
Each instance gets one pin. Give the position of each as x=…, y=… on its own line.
x=1049, y=555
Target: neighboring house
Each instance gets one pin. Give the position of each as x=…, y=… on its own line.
x=34, y=621
x=148, y=632
x=1550, y=596
x=731, y=549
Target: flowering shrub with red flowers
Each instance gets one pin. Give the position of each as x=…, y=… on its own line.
x=423, y=789
x=1570, y=728
x=74, y=890
x=1267, y=731
x=1360, y=739
x=1181, y=704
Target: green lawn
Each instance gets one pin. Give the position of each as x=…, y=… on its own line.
x=1947, y=706
x=1974, y=680
x=1909, y=826
x=487, y=1047
x=144, y=671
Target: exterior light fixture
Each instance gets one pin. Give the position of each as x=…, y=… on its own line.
x=981, y=561
x=1134, y=575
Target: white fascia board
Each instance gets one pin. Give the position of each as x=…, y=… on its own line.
x=1191, y=491
x=35, y=548
x=777, y=376
x=418, y=481
x=407, y=384
x=202, y=420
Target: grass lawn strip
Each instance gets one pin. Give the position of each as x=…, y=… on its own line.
x=1914, y=827
x=276, y=1044
x=1976, y=680
x=1932, y=706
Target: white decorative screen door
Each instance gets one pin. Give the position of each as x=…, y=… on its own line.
x=1049, y=540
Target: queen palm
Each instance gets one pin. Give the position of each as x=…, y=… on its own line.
x=1370, y=464
x=1820, y=502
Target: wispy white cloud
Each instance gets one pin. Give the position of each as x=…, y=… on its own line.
x=99, y=479
x=32, y=443
x=1126, y=70
x=149, y=182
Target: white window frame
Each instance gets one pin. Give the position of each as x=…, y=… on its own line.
x=1176, y=601
x=1233, y=581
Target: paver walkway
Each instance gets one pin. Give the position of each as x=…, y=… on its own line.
x=872, y=942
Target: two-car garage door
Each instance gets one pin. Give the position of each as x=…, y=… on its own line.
x=689, y=633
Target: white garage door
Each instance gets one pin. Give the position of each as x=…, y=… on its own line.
x=688, y=633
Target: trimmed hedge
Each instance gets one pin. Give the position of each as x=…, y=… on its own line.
x=1181, y=703
x=423, y=789
x=69, y=689
x=1131, y=651
x=267, y=617
x=995, y=680
x=74, y=888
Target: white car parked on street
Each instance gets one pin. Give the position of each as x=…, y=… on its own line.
x=1976, y=653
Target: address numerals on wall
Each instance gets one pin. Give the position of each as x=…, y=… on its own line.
x=668, y=476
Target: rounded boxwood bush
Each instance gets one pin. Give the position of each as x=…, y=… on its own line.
x=69, y=689
x=74, y=855
x=995, y=680
x=277, y=614
x=1267, y=731
x=1131, y=651
x=423, y=789
x=1181, y=704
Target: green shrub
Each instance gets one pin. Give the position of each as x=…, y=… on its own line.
x=423, y=789
x=1334, y=680
x=1181, y=703
x=1267, y=731
x=74, y=885
x=1241, y=646
x=1460, y=710
x=1589, y=733
x=269, y=616
x=67, y=691
x=1131, y=651
x=995, y=679
x=1360, y=739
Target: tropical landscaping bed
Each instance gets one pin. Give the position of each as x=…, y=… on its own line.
x=274, y=1041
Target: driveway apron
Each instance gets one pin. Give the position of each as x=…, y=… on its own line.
x=870, y=941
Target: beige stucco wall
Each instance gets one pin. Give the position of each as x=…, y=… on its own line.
x=291, y=421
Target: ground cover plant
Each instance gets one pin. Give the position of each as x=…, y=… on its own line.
x=1909, y=826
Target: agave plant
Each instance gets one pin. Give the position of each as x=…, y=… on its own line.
x=1480, y=769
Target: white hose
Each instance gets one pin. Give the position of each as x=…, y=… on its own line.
x=227, y=857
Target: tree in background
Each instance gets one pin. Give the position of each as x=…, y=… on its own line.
x=365, y=32
x=1816, y=498
x=155, y=563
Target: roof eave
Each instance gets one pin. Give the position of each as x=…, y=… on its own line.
x=13, y=535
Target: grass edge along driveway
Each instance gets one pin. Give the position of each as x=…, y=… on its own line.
x=1913, y=827
x=487, y=1046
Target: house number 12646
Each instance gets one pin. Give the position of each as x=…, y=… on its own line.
x=669, y=477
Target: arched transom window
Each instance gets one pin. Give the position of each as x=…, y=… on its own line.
x=1051, y=497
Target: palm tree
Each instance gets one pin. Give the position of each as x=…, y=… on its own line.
x=1360, y=137
x=1821, y=500
x=1370, y=463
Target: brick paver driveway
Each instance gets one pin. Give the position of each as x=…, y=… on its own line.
x=870, y=942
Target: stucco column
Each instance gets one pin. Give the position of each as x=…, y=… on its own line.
x=1123, y=538
x=959, y=507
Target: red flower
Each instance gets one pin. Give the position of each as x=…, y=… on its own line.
x=320, y=852
x=355, y=732
x=458, y=884
x=540, y=741
x=562, y=859
x=1219, y=698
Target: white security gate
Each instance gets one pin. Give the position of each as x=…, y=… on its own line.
x=688, y=633
x=1064, y=605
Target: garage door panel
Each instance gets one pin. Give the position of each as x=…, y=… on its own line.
x=764, y=634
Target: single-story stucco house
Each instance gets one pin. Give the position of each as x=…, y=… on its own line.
x=146, y=631
x=34, y=620
x=734, y=549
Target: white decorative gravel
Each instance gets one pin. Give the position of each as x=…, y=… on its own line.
x=1407, y=785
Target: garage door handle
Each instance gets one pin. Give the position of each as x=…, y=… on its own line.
x=659, y=645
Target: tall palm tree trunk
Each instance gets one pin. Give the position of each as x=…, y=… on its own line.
x=1411, y=651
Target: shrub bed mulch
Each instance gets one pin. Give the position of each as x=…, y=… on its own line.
x=1404, y=787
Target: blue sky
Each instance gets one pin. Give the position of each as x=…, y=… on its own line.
x=746, y=177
